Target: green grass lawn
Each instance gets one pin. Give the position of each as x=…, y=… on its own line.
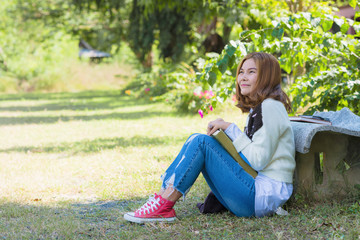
x=71, y=164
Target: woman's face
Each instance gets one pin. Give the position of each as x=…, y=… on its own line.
x=247, y=77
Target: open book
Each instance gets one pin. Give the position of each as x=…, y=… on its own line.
x=226, y=142
x=310, y=119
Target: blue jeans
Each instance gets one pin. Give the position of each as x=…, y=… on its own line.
x=230, y=183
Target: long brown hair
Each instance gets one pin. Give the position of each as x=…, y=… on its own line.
x=268, y=83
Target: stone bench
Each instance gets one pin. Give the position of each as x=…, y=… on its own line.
x=328, y=157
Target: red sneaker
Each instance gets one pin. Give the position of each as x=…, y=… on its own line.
x=156, y=209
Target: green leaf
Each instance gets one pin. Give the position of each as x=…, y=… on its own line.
x=234, y=43
x=220, y=99
x=230, y=50
x=356, y=27
x=352, y=3
x=277, y=33
x=223, y=64
x=212, y=78
x=231, y=61
x=243, y=33
x=208, y=67
x=307, y=16
x=292, y=20
x=242, y=49
x=345, y=27
x=351, y=47
x=327, y=24
x=300, y=58
x=315, y=22
x=285, y=65
x=199, y=76
x=357, y=14
x=213, y=103
x=328, y=42
x=339, y=21
x=255, y=38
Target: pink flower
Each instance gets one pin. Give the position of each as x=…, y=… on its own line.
x=211, y=108
x=234, y=98
x=208, y=94
x=198, y=94
x=201, y=113
x=147, y=89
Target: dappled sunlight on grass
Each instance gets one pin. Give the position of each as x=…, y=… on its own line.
x=89, y=117
x=100, y=144
x=100, y=107
x=85, y=146
x=75, y=102
x=71, y=164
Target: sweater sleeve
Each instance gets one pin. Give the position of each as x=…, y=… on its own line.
x=261, y=149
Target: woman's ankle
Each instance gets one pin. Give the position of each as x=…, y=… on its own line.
x=171, y=194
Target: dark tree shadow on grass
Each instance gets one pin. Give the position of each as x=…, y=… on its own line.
x=93, y=220
x=91, y=146
x=54, y=119
x=84, y=219
x=61, y=95
x=78, y=105
x=77, y=102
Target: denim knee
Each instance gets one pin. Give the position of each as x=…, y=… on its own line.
x=199, y=137
x=192, y=137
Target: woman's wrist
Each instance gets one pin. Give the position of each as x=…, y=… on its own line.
x=225, y=125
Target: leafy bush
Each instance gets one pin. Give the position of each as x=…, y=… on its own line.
x=188, y=98
x=174, y=84
x=34, y=59
x=323, y=66
x=149, y=84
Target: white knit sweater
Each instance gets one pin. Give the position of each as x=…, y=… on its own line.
x=271, y=151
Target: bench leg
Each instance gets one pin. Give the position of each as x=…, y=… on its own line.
x=317, y=172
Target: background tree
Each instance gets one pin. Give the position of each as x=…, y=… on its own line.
x=313, y=59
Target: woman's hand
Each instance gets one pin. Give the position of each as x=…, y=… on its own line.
x=217, y=124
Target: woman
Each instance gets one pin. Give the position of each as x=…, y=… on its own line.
x=267, y=144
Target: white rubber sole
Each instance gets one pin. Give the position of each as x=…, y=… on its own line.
x=131, y=218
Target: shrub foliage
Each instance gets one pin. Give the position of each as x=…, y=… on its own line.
x=322, y=67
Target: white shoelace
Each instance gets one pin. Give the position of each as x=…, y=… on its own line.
x=150, y=206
